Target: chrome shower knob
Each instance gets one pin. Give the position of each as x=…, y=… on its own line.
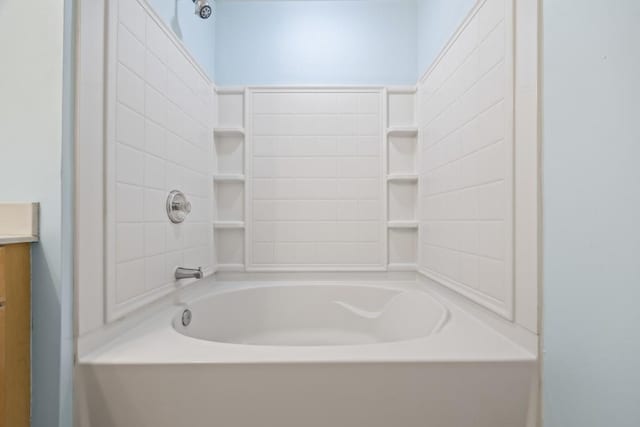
x=178, y=207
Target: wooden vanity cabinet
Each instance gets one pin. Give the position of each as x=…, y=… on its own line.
x=15, y=335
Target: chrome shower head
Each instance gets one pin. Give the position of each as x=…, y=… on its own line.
x=203, y=9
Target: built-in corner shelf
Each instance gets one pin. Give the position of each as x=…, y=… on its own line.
x=230, y=177
x=402, y=180
x=229, y=131
x=406, y=131
x=229, y=180
x=406, y=177
x=237, y=225
x=403, y=224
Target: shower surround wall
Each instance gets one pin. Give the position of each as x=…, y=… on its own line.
x=477, y=145
x=159, y=139
x=479, y=159
x=309, y=179
x=315, y=181
x=466, y=191
x=417, y=178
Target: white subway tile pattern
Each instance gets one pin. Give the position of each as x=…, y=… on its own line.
x=316, y=178
x=163, y=141
x=465, y=160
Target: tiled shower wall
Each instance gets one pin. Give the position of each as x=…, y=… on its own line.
x=160, y=114
x=316, y=176
x=315, y=167
x=466, y=183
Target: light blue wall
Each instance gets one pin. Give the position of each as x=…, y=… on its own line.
x=198, y=35
x=67, y=223
x=316, y=42
x=591, y=213
x=437, y=21
x=35, y=165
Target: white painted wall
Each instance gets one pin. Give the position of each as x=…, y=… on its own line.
x=591, y=211
x=35, y=156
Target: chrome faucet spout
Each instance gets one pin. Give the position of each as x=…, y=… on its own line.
x=189, y=273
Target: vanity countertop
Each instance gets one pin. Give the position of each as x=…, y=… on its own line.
x=18, y=223
x=12, y=239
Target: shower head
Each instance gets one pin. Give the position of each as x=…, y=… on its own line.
x=203, y=9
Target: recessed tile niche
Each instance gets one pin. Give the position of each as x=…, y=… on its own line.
x=402, y=179
x=229, y=180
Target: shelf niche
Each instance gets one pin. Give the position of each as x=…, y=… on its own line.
x=229, y=154
x=402, y=154
x=229, y=180
x=402, y=200
x=402, y=180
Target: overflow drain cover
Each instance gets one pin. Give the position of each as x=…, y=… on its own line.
x=186, y=317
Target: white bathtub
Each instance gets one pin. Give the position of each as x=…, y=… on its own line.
x=313, y=315
x=308, y=355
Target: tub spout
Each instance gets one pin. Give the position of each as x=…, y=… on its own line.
x=189, y=273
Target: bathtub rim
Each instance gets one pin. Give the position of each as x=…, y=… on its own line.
x=152, y=339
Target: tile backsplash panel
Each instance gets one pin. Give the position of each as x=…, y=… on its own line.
x=160, y=138
x=466, y=161
x=315, y=180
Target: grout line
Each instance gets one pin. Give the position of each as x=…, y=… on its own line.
x=292, y=114
x=322, y=156
x=463, y=252
x=466, y=58
x=332, y=200
x=481, y=220
x=321, y=242
x=320, y=221
x=469, y=154
x=337, y=179
x=495, y=181
x=465, y=124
